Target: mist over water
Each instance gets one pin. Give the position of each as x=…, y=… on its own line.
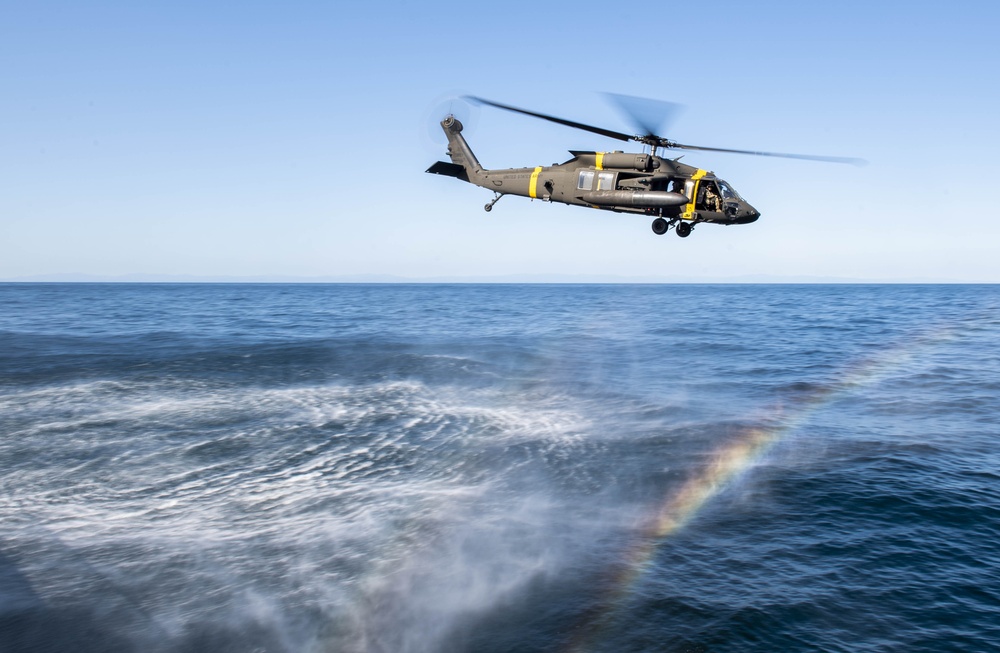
x=488, y=468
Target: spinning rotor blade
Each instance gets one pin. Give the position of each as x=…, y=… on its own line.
x=569, y=123
x=644, y=113
x=648, y=116
x=806, y=157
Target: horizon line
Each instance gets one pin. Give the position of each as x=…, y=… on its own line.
x=539, y=279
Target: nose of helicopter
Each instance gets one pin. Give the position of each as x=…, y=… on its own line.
x=747, y=214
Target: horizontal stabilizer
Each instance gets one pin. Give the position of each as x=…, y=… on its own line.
x=449, y=169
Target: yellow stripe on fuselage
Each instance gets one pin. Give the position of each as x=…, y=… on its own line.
x=533, y=184
x=689, y=208
x=600, y=161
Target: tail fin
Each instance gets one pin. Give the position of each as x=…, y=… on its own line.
x=464, y=164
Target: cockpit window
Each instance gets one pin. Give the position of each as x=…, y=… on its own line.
x=728, y=192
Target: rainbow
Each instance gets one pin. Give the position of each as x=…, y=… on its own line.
x=728, y=462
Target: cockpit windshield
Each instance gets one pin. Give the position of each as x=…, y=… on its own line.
x=728, y=192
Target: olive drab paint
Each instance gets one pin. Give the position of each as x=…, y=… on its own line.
x=673, y=194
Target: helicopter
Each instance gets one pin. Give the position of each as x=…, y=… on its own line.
x=675, y=195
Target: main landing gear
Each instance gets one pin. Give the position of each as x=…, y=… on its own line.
x=662, y=226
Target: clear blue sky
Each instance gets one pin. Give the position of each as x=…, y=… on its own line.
x=290, y=139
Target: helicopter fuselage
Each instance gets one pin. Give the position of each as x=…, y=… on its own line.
x=673, y=193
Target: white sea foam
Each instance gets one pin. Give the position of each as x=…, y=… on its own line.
x=384, y=493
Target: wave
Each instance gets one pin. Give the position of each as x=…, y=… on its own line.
x=433, y=469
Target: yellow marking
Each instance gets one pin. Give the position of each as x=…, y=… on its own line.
x=600, y=160
x=689, y=208
x=533, y=184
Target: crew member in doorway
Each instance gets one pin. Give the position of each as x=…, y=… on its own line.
x=712, y=200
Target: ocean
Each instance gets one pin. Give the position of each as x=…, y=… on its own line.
x=485, y=468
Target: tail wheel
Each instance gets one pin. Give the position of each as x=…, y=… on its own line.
x=660, y=226
x=684, y=229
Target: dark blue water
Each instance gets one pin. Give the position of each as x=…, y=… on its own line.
x=480, y=468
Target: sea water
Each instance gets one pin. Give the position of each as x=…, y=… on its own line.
x=420, y=468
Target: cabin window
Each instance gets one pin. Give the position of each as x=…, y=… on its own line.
x=606, y=181
x=586, y=180
x=728, y=192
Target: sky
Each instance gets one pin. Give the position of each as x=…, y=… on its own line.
x=288, y=141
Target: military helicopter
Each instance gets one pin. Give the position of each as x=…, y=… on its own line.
x=677, y=196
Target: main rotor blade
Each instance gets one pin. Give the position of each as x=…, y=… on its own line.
x=649, y=137
x=807, y=157
x=561, y=121
x=650, y=117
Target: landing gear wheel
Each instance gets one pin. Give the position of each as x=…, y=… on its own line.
x=660, y=226
x=489, y=206
x=684, y=229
